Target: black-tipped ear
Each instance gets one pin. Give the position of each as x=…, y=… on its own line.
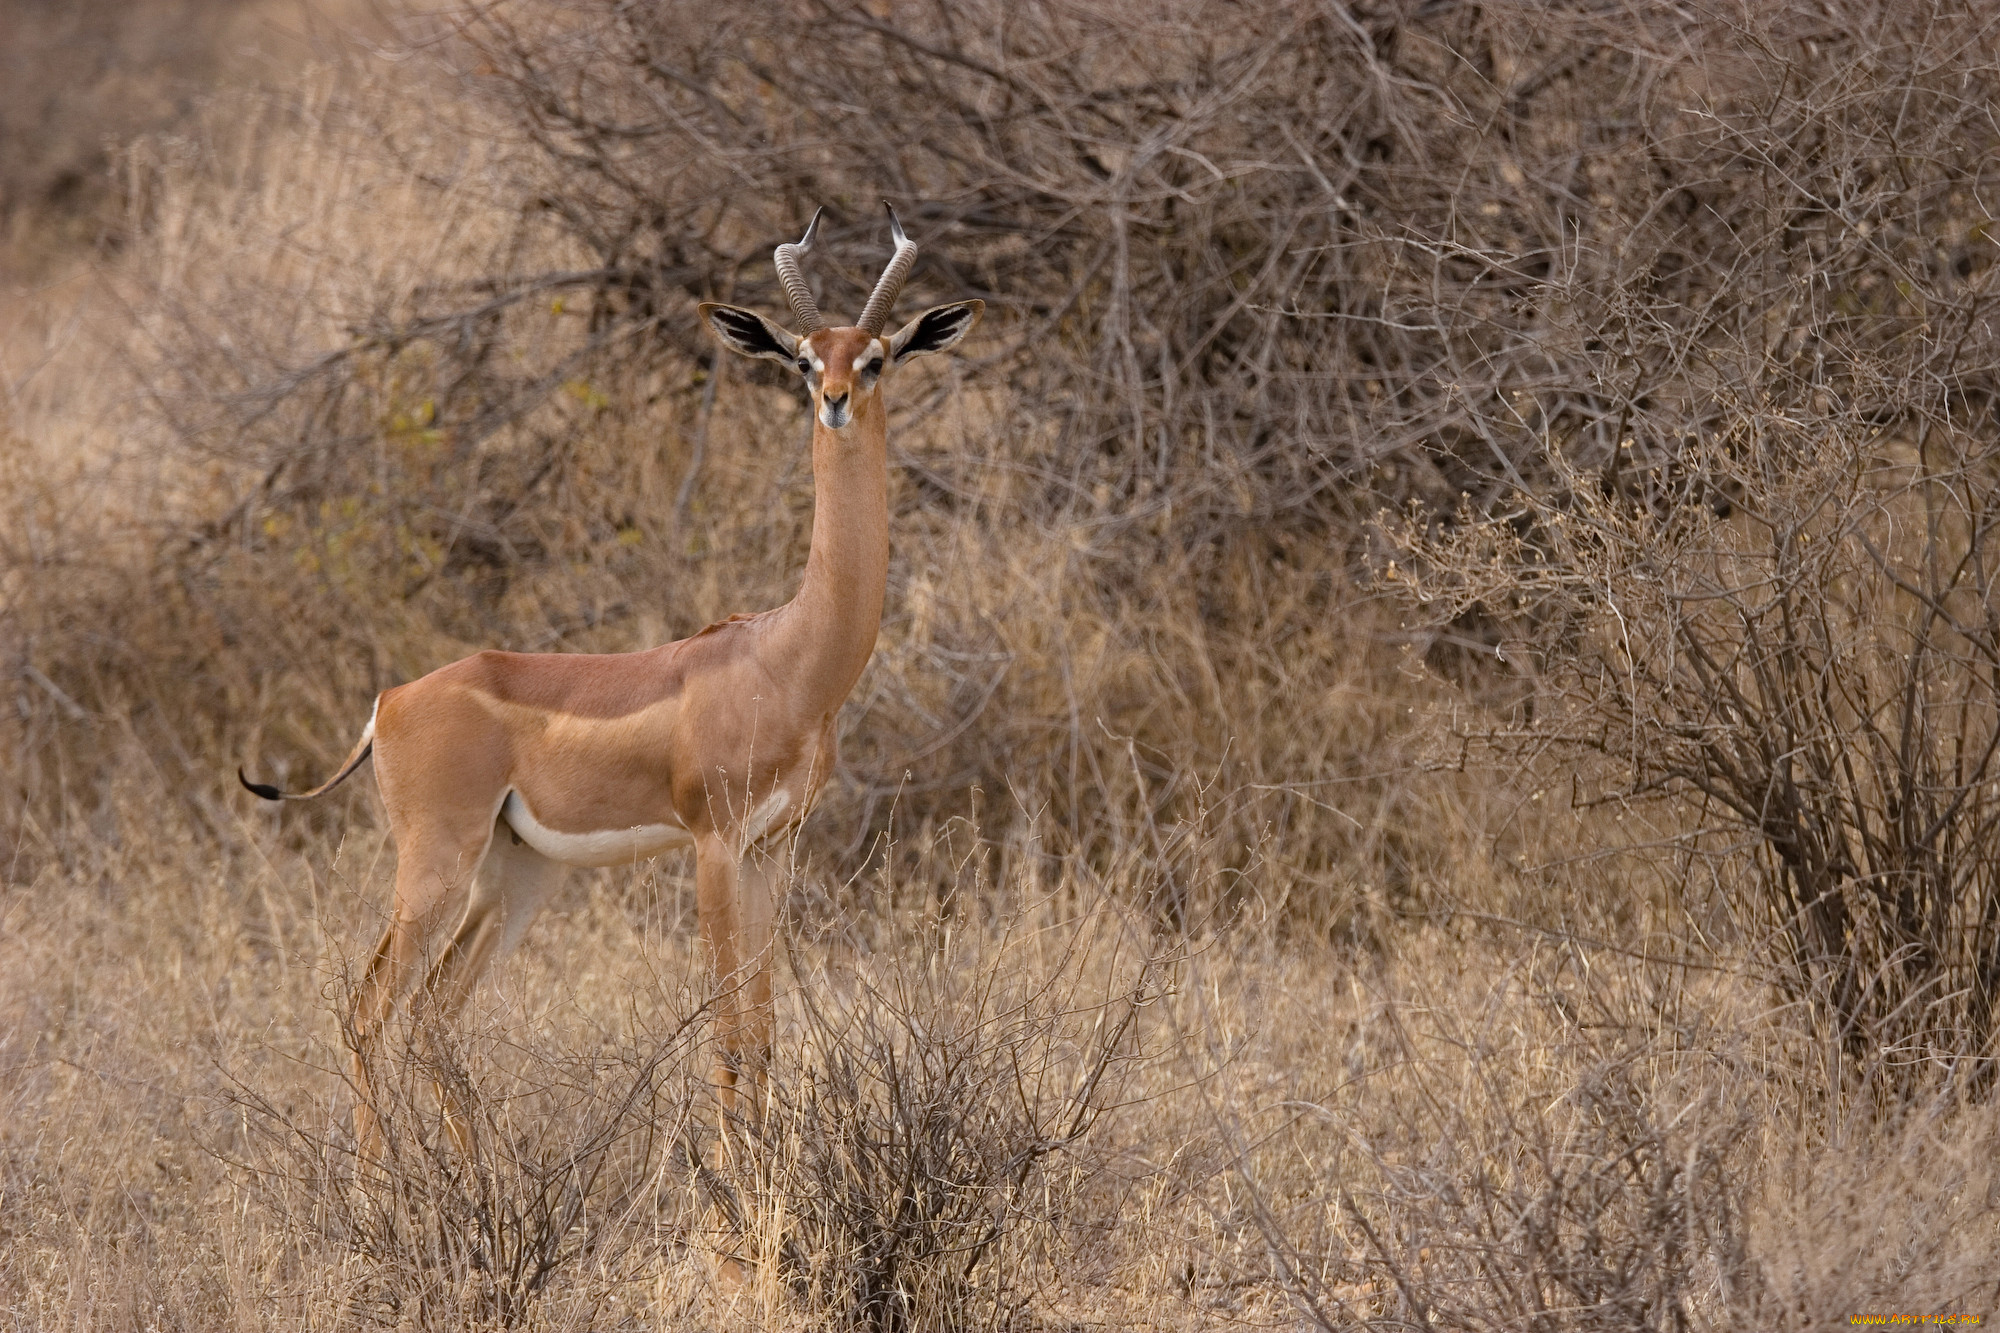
x=749, y=333
x=936, y=330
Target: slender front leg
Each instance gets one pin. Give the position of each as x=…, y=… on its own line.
x=757, y=917
x=733, y=898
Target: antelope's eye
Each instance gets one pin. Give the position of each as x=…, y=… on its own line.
x=805, y=366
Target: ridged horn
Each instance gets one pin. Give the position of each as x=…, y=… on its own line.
x=787, y=258
x=876, y=313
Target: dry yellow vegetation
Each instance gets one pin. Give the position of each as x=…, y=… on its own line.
x=1369, y=809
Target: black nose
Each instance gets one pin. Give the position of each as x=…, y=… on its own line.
x=836, y=400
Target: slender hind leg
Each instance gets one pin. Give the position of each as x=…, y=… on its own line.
x=513, y=883
x=430, y=867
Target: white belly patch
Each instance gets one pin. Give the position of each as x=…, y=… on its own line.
x=599, y=847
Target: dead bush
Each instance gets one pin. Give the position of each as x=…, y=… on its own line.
x=1659, y=334
x=1560, y=1135
x=1751, y=578
x=1616, y=1205
x=926, y=1154
x=1815, y=675
x=564, y=1178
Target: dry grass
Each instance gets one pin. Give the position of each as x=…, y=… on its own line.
x=1498, y=1131
x=1159, y=957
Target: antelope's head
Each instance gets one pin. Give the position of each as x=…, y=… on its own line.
x=843, y=367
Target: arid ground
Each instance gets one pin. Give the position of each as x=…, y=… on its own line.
x=1433, y=759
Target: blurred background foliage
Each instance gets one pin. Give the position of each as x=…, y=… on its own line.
x=1501, y=489
x=410, y=367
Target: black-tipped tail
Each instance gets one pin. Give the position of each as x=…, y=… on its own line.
x=263, y=789
x=362, y=749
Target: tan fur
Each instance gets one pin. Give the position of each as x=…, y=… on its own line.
x=723, y=739
x=699, y=733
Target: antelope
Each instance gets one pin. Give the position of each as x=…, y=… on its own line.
x=501, y=769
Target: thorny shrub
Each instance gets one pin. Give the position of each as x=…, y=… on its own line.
x=1657, y=334
x=1759, y=585
x=927, y=1136
x=922, y=1154
x=1619, y=1205
x=571, y=1170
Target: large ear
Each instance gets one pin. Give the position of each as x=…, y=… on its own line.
x=749, y=333
x=936, y=330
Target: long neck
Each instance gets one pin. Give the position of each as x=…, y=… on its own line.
x=830, y=626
